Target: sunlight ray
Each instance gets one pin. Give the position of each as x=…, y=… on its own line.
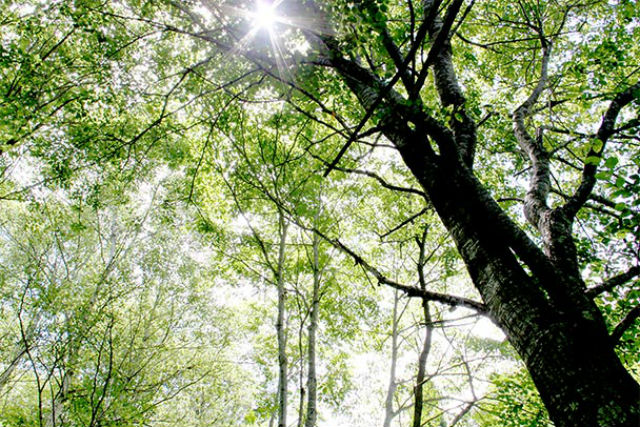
x=264, y=18
x=281, y=63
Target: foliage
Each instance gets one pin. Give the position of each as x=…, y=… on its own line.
x=513, y=401
x=148, y=150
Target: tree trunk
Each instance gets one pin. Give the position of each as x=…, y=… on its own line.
x=389, y=413
x=280, y=327
x=312, y=384
x=538, y=298
x=422, y=364
x=563, y=341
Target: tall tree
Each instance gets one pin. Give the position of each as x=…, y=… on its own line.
x=281, y=327
x=312, y=379
x=531, y=284
x=467, y=96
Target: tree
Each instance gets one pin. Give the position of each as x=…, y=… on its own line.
x=468, y=97
x=104, y=312
x=530, y=283
x=514, y=402
x=316, y=295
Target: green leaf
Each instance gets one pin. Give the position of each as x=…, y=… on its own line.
x=611, y=162
x=592, y=160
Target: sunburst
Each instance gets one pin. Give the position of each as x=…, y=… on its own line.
x=269, y=19
x=265, y=15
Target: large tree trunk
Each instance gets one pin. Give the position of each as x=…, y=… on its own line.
x=536, y=295
x=555, y=328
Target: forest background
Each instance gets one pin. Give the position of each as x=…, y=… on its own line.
x=349, y=213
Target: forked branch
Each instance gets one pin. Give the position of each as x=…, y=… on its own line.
x=607, y=128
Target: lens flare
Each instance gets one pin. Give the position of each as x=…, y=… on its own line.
x=265, y=16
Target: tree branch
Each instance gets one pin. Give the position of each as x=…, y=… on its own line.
x=607, y=128
x=411, y=291
x=378, y=178
x=405, y=222
x=440, y=55
x=613, y=282
x=625, y=324
x=536, y=198
x=439, y=29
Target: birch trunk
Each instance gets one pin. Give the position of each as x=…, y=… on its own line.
x=312, y=385
x=389, y=413
x=280, y=326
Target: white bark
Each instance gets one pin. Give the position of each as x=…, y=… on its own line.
x=312, y=412
x=280, y=327
x=389, y=413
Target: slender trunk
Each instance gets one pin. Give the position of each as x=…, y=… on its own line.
x=18, y=354
x=301, y=400
x=422, y=365
x=389, y=413
x=312, y=411
x=57, y=417
x=280, y=327
x=20, y=350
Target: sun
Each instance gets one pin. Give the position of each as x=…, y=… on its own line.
x=269, y=23
x=265, y=15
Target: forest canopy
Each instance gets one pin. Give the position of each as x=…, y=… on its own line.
x=303, y=212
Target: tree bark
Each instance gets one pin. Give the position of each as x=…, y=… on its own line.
x=280, y=326
x=389, y=413
x=544, y=309
x=312, y=384
x=565, y=346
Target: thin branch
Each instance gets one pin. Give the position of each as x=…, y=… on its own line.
x=375, y=176
x=625, y=324
x=382, y=182
x=613, y=282
x=254, y=232
x=607, y=128
x=410, y=291
x=405, y=222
